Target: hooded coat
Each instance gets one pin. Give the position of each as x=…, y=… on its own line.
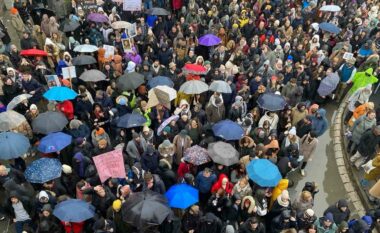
x=362, y=79
x=338, y=215
x=360, y=126
x=218, y=185
x=319, y=124
x=368, y=142
x=215, y=112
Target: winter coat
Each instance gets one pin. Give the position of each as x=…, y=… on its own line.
x=297, y=115
x=204, y=184
x=300, y=205
x=16, y=29
x=59, y=7
x=246, y=213
x=374, y=174
x=368, y=142
x=190, y=221
x=217, y=205
x=307, y=148
x=180, y=148
x=25, y=129
x=360, y=126
x=246, y=228
x=117, y=218
x=209, y=223
x=273, y=121
x=362, y=79
x=246, y=191
x=358, y=112
x=132, y=150
x=218, y=185
x=215, y=113
x=150, y=162
x=320, y=229
x=338, y=215
x=319, y=124
x=25, y=201
x=167, y=174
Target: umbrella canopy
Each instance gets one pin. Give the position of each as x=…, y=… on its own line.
x=166, y=122
x=43, y=170
x=157, y=11
x=223, y=153
x=54, y=142
x=182, y=196
x=70, y=26
x=60, y=94
x=228, y=130
x=196, y=155
x=10, y=120
x=220, y=86
x=271, y=102
x=74, y=210
x=13, y=145
x=83, y=60
x=329, y=27
x=131, y=120
x=193, y=87
x=121, y=25
x=328, y=84
x=86, y=48
x=33, y=52
x=160, y=81
x=161, y=95
x=93, y=76
x=194, y=69
x=263, y=172
x=331, y=8
x=97, y=18
x=49, y=122
x=17, y=100
x=130, y=81
x=143, y=209
x=209, y=40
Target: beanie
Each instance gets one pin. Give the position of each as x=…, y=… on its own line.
x=116, y=205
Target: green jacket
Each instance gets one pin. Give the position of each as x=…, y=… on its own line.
x=362, y=79
x=320, y=229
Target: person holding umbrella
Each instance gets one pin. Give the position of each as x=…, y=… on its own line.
x=31, y=86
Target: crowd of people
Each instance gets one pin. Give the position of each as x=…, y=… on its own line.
x=308, y=53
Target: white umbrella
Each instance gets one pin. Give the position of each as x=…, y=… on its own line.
x=121, y=25
x=85, y=48
x=10, y=120
x=332, y=8
x=16, y=100
x=93, y=76
x=193, y=87
x=161, y=95
x=220, y=86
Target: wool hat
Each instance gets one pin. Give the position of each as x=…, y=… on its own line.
x=135, y=135
x=67, y=169
x=131, y=66
x=75, y=123
x=122, y=100
x=283, y=199
x=43, y=194
x=99, y=131
x=329, y=217
x=33, y=107
x=47, y=207
x=309, y=212
x=293, y=131
x=116, y=205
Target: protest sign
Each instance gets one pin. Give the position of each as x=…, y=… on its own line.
x=132, y=5
x=110, y=165
x=110, y=51
x=69, y=72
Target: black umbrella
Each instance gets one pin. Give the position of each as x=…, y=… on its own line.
x=70, y=26
x=83, y=60
x=130, y=81
x=131, y=120
x=144, y=209
x=37, y=14
x=157, y=11
x=49, y=122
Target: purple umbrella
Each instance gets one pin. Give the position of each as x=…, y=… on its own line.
x=209, y=40
x=328, y=84
x=97, y=18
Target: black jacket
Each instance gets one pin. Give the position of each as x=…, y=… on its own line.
x=26, y=203
x=209, y=224
x=246, y=228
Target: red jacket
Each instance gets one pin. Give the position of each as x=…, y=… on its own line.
x=218, y=185
x=67, y=108
x=183, y=168
x=73, y=227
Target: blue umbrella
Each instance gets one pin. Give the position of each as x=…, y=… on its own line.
x=228, y=130
x=329, y=27
x=271, y=102
x=263, y=172
x=131, y=120
x=74, y=210
x=60, y=94
x=160, y=81
x=182, y=196
x=43, y=170
x=54, y=142
x=209, y=40
x=13, y=145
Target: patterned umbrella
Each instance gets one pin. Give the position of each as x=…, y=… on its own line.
x=13, y=145
x=97, y=18
x=196, y=155
x=43, y=170
x=166, y=122
x=10, y=120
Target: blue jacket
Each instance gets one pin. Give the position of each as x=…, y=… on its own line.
x=203, y=183
x=319, y=124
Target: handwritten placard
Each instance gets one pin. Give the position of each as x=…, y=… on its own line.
x=69, y=72
x=110, y=165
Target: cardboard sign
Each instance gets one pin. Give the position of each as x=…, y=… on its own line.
x=132, y=5
x=110, y=165
x=69, y=72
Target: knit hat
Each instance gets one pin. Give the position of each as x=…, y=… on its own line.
x=116, y=205
x=283, y=199
x=47, y=207
x=309, y=212
x=99, y=131
x=14, y=11
x=33, y=107
x=329, y=217
x=67, y=169
x=43, y=194
x=229, y=229
x=74, y=124
x=183, y=133
x=122, y=100
x=293, y=131
x=79, y=141
x=102, y=142
x=131, y=66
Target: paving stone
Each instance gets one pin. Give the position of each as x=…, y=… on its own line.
x=337, y=133
x=349, y=187
x=345, y=178
x=358, y=206
x=340, y=162
x=342, y=170
x=353, y=196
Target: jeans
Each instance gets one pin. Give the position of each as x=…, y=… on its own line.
x=20, y=225
x=148, y=4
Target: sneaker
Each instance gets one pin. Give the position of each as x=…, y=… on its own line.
x=333, y=96
x=2, y=217
x=302, y=172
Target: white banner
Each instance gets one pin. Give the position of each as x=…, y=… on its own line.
x=132, y=5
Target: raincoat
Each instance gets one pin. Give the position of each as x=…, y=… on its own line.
x=362, y=79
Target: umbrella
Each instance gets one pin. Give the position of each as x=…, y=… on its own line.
x=70, y=26
x=131, y=120
x=13, y=145
x=332, y=8
x=220, y=86
x=193, y=87
x=86, y=48
x=74, y=210
x=160, y=81
x=60, y=94
x=223, y=153
x=157, y=11
x=83, y=60
x=93, y=76
x=166, y=122
x=328, y=84
x=209, y=40
x=97, y=18
x=33, y=52
x=196, y=155
x=194, y=69
x=161, y=95
x=54, y=142
x=10, y=120
x=143, y=209
x=49, y=122
x=228, y=130
x=121, y=25
x=271, y=102
x=43, y=170
x=263, y=172
x=17, y=100
x=130, y=81
x=182, y=196
x=329, y=27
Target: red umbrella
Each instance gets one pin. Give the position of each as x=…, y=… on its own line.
x=33, y=52
x=194, y=69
